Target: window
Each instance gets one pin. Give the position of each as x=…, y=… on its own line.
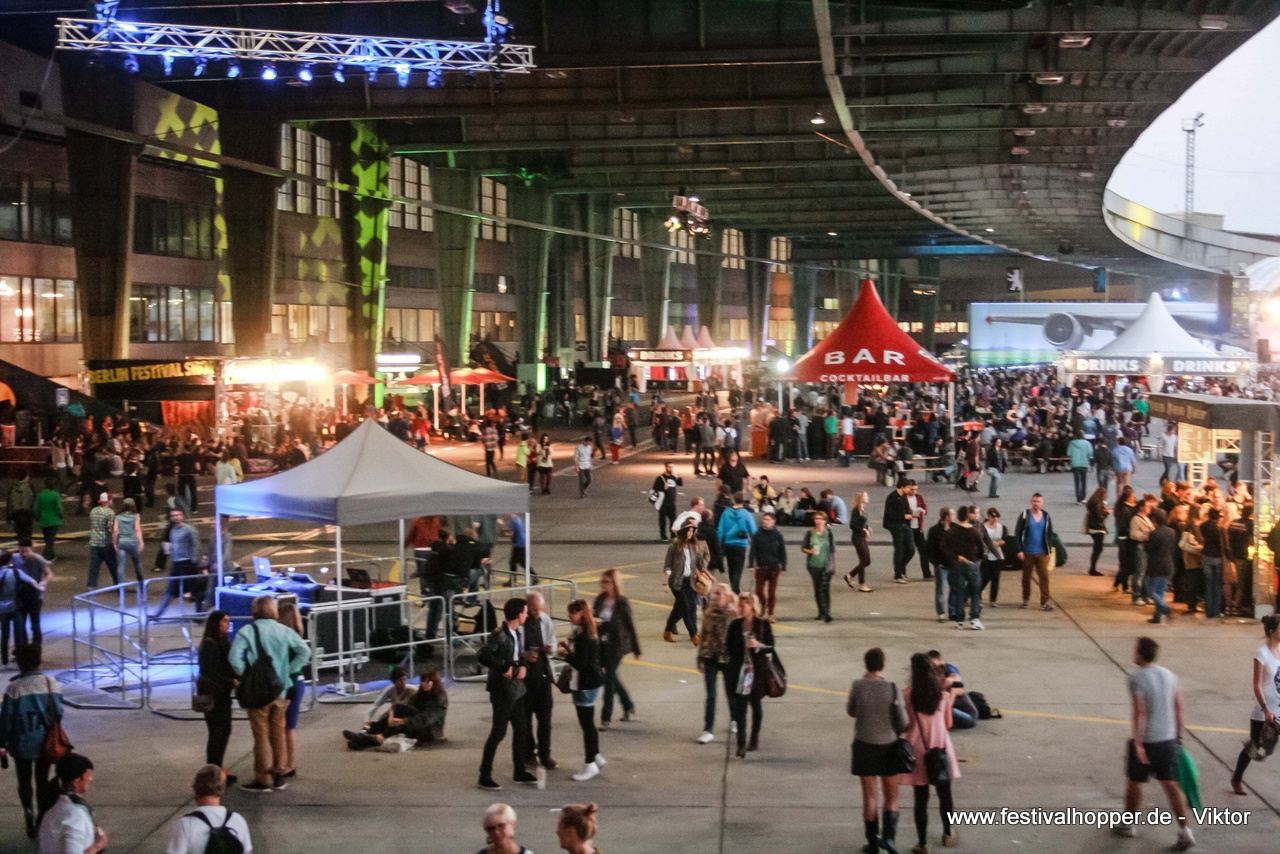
x=731, y=248
x=35, y=210
x=683, y=241
x=831, y=303
x=421, y=278
x=412, y=180
x=413, y=325
x=169, y=313
x=780, y=250
x=172, y=228
x=491, y=283
x=736, y=329
x=625, y=327
x=782, y=331
x=307, y=154
x=580, y=327
x=627, y=226
x=38, y=310
x=823, y=328
x=493, y=325
x=951, y=326
x=493, y=201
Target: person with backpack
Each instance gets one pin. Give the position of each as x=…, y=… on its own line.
x=20, y=501
x=265, y=655
x=211, y=828
x=10, y=616
x=30, y=702
x=66, y=821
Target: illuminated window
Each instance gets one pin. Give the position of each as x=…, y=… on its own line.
x=782, y=331
x=34, y=210
x=626, y=225
x=38, y=310
x=731, y=247
x=580, y=327
x=412, y=180
x=165, y=313
x=683, y=241
x=736, y=329
x=831, y=303
x=625, y=327
x=493, y=201
x=951, y=326
x=780, y=250
x=493, y=325
x=823, y=328
x=307, y=154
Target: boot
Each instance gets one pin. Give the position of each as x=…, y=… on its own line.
x=873, y=836
x=889, y=832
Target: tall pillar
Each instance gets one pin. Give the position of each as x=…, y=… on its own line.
x=560, y=275
x=456, y=248
x=710, y=270
x=103, y=181
x=598, y=293
x=249, y=200
x=891, y=287
x=930, y=269
x=756, y=245
x=803, y=285
x=846, y=281
x=532, y=249
x=655, y=277
x=365, y=228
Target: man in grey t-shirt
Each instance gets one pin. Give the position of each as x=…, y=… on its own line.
x=1155, y=744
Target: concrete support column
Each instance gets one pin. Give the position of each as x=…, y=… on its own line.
x=562, y=281
x=365, y=227
x=532, y=249
x=891, y=287
x=103, y=181
x=710, y=270
x=756, y=245
x=929, y=270
x=252, y=223
x=456, y=249
x=598, y=293
x=655, y=278
x=803, y=286
x=846, y=288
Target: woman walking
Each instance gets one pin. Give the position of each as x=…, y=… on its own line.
x=216, y=681
x=994, y=534
x=820, y=546
x=928, y=722
x=686, y=556
x=1266, y=662
x=290, y=616
x=861, y=528
x=880, y=717
x=544, y=464
x=996, y=462
x=749, y=639
x=1095, y=525
x=31, y=700
x=582, y=652
x=524, y=450
x=617, y=631
x=713, y=654
x=128, y=537
x=576, y=828
x=1126, y=507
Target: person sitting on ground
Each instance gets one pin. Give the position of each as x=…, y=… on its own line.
x=766, y=498
x=787, y=507
x=421, y=718
x=964, y=714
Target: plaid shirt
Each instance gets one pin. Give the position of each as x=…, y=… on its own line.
x=100, y=525
x=490, y=438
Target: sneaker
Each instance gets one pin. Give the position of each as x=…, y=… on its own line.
x=959, y=624
x=901, y=581
x=1046, y=606
x=629, y=715
x=993, y=604
x=489, y=784
x=279, y=783
x=1185, y=839
x=255, y=786
x=589, y=771
x=1026, y=603
x=706, y=738
x=864, y=589
x=1124, y=831
x=603, y=726
x=526, y=777
x=600, y=760
x=976, y=625
x=733, y=727
x=942, y=618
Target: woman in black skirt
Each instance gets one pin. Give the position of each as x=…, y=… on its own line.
x=879, y=716
x=217, y=680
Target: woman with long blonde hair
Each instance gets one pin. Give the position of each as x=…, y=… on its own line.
x=289, y=615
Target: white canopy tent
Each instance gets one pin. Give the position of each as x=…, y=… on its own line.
x=369, y=477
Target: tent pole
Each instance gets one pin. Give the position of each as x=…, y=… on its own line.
x=338, y=549
x=217, y=545
x=951, y=407
x=481, y=400
x=528, y=562
x=435, y=401
x=403, y=567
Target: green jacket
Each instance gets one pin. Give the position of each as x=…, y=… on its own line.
x=288, y=651
x=48, y=508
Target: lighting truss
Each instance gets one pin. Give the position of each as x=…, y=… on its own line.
x=230, y=43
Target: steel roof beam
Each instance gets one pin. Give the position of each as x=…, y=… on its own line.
x=1045, y=20
x=1030, y=61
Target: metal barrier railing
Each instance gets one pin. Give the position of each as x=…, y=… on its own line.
x=107, y=652
x=469, y=631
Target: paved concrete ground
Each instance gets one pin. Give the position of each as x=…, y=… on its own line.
x=1059, y=678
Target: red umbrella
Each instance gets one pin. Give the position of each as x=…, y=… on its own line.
x=429, y=378
x=355, y=378
x=479, y=376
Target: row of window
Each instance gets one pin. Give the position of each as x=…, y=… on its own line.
x=940, y=327
x=493, y=201
x=38, y=310
x=176, y=229
x=307, y=154
x=780, y=250
x=34, y=210
x=410, y=179
x=625, y=327
x=626, y=224
x=168, y=313
x=298, y=323
x=731, y=246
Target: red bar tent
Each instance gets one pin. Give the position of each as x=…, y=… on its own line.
x=868, y=347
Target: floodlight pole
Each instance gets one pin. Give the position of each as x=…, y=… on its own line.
x=1189, y=127
x=528, y=560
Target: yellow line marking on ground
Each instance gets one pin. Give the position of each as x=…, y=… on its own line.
x=667, y=607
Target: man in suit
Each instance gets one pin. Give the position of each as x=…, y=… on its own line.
x=502, y=654
x=539, y=645
x=898, y=517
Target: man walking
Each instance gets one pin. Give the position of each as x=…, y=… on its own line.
x=1034, y=536
x=962, y=552
x=705, y=458
x=1080, y=453
x=490, y=439
x=1123, y=463
x=539, y=645
x=1168, y=444
x=898, y=517
x=102, y=523
x=1155, y=743
x=502, y=654
x=20, y=501
x=942, y=603
x=736, y=528
x=191, y=833
x=664, y=485
x=916, y=503
x=184, y=558
x=582, y=464
x=288, y=653
x=1162, y=547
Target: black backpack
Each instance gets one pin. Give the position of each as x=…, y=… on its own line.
x=259, y=684
x=222, y=840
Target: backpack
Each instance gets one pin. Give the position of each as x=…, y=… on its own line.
x=222, y=840
x=985, y=712
x=259, y=684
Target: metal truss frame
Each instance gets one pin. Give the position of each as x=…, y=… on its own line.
x=231, y=43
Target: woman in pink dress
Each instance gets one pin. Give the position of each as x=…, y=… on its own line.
x=929, y=719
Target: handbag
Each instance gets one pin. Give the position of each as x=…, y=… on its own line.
x=937, y=767
x=904, y=755
x=259, y=684
x=1190, y=544
x=202, y=703
x=564, y=681
x=775, y=675
x=703, y=581
x=56, y=744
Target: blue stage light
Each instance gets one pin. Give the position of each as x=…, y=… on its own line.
x=402, y=75
x=269, y=71
x=435, y=78
x=305, y=74
x=373, y=74
x=167, y=59
x=200, y=66
x=339, y=74
x=131, y=64
x=233, y=69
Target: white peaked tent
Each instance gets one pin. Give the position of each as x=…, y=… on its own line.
x=705, y=341
x=669, y=340
x=687, y=341
x=1155, y=331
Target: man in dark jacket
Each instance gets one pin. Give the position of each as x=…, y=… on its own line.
x=1162, y=548
x=962, y=551
x=941, y=570
x=665, y=484
x=897, y=521
x=1034, y=537
x=501, y=654
x=768, y=560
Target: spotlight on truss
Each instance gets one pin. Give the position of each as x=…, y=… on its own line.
x=435, y=78
x=305, y=74
x=269, y=71
x=131, y=64
x=402, y=75
x=233, y=69
x=200, y=66
x=338, y=73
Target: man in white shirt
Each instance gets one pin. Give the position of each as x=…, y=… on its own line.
x=69, y=825
x=191, y=832
x=1169, y=454
x=582, y=462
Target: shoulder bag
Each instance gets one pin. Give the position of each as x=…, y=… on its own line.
x=56, y=744
x=937, y=767
x=904, y=755
x=260, y=685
